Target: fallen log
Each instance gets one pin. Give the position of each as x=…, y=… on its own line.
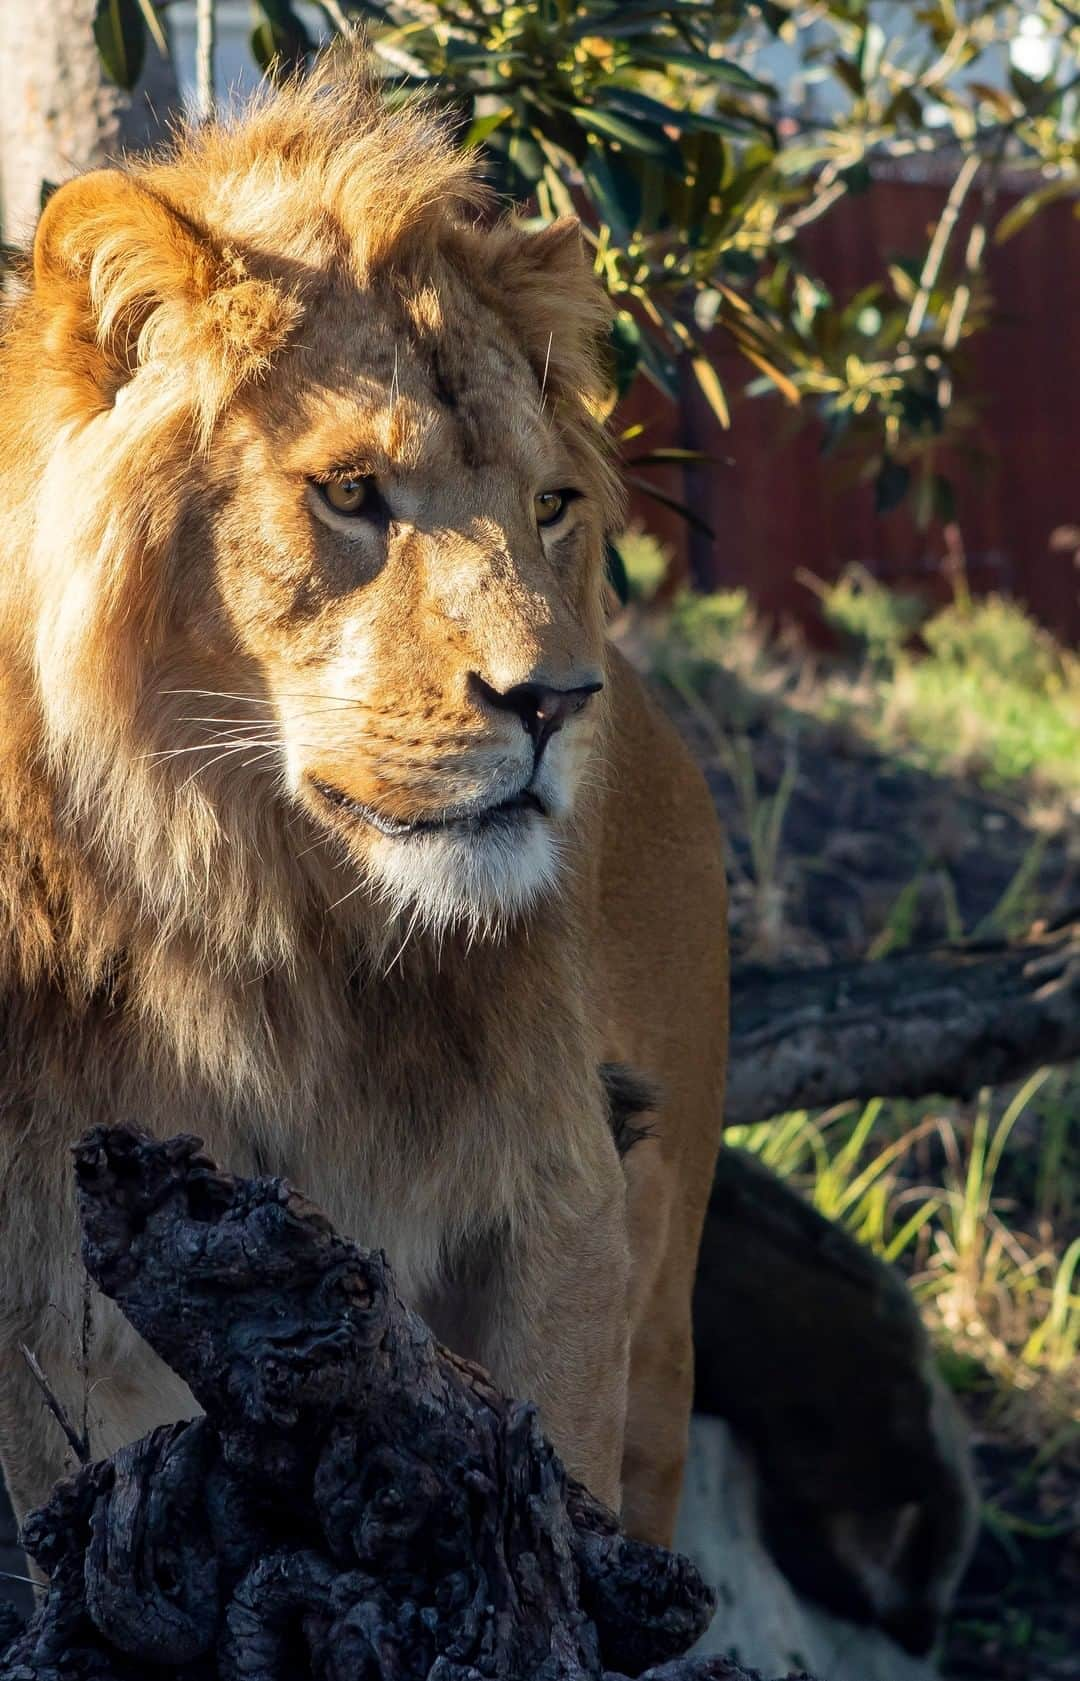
x=357, y=1503
x=947, y=1021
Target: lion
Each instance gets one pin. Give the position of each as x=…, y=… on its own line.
x=332, y=828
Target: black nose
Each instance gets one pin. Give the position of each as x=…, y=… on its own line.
x=542, y=710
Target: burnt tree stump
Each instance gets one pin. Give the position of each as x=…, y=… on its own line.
x=357, y=1503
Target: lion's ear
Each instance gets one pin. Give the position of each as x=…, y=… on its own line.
x=559, y=308
x=124, y=278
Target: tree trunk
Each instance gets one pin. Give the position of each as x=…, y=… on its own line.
x=59, y=113
x=947, y=1021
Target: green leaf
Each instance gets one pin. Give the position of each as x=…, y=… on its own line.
x=659, y=368
x=615, y=190
x=921, y=410
x=280, y=42
x=709, y=157
x=635, y=139
x=45, y=192
x=721, y=69
x=481, y=127
x=711, y=388
x=1020, y=214
x=673, y=457
x=120, y=35
x=848, y=73
x=153, y=24
x=944, y=499
x=857, y=177
x=625, y=344
x=615, y=567
x=871, y=50
x=891, y=484
x=519, y=162
x=641, y=106
x=690, y=515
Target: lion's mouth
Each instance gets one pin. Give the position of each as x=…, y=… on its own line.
x=468, y=820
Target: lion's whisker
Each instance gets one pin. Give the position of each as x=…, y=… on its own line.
x=350, y=894
x=203, y=747
x=409, y=932
x=547, y=364
x=201, y=770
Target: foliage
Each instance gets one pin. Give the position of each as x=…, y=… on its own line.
x=993, y=691
x=696, y=174
x=874, y=620
x=976, y=687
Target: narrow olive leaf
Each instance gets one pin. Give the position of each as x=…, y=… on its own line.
x=45, y=193
x=120, y=36
x=624, y=340
x=617, y=575
x=280, y=42
x=674, y=457
x=153, y=24
x=659, y=368
x=944, y=499
x=640, y=106
x=636, y=139
x=721, y=69
x=788, y=390
x=713, y=391
x=690, y=515
x=891, y=485
x=481, y=127
x=614, y=189
x=1020, y=214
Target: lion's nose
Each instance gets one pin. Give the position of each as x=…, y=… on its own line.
x=542, y=709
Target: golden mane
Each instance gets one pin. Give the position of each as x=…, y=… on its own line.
x=187, y=274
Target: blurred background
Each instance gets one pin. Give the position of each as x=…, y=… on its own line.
x=840, y=238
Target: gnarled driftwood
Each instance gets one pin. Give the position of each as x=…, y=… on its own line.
x=358, y=1504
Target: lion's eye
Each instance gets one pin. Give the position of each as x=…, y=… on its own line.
x=550, y=506
x=351, y=496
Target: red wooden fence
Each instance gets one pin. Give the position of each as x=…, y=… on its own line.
x=779, y=506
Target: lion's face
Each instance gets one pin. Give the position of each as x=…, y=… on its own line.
x=406, y=553
x=336, y=553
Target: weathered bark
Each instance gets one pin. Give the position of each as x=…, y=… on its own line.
x=947, y=1021
x=358, y=1504
x=58, y=111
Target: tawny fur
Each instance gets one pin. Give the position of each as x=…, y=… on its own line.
x=192, y=935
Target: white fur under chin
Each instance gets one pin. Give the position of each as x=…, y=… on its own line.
x=481, y=882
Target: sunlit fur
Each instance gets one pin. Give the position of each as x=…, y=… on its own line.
x=192, y=935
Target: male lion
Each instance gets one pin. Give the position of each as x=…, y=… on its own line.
x=331, y=829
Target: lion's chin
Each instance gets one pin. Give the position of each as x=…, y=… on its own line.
x=482, y=881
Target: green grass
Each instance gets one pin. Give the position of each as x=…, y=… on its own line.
x=975, y=688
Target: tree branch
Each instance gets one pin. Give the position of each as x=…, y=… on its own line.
x=946, y=1020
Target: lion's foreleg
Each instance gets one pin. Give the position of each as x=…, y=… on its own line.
x=552, y=1322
